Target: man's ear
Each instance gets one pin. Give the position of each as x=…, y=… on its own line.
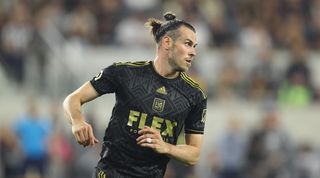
x=166, y=42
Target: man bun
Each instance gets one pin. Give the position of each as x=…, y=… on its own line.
x=154, y=25
x=159, y=28
x=169, y=16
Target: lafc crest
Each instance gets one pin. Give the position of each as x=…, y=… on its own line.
x=158, y=104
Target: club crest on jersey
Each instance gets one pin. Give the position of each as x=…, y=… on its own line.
x=158, y=104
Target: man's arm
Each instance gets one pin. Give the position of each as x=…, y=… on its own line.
x=81, y=130
x=188, y=153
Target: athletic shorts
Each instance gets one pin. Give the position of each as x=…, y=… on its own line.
x=112, y=173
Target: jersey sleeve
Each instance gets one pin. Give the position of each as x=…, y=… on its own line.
x=106, y=81
x=195, y=121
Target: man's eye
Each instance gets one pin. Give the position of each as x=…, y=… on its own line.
x=188, y=44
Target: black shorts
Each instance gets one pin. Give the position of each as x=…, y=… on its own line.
x=112, y=173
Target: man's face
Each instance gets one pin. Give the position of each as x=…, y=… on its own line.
x=182, y=52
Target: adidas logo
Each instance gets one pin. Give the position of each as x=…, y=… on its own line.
x=162, y=90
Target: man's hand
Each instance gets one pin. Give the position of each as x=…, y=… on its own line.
x=151, y=138
x=83, y=133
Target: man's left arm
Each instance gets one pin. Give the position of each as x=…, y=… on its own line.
x=188, y=153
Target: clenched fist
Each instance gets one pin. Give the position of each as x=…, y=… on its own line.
x=83, y=133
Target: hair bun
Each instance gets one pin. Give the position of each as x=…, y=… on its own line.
x=169, y=16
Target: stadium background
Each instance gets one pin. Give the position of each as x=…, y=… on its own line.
x=257, y=60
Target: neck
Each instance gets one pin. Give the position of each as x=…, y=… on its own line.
x=164, y=69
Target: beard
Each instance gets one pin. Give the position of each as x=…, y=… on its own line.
x=174, y=62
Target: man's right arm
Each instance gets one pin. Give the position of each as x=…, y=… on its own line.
x=81, y=130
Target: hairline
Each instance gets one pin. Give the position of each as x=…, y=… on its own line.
x=176, y=32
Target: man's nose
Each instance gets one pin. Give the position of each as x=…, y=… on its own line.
x=193, y=52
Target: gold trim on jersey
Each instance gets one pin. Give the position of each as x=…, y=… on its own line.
x=191, y=82
x=135, y=63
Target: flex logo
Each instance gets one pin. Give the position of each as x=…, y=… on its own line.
x=158, y=104
x=137, y=120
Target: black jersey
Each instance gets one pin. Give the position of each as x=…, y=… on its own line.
x=143, y=97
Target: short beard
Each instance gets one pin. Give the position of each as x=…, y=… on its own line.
x=172, y=61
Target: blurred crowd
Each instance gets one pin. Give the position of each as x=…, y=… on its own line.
x=30, y=29
x=266, y=151
x=38, y=145
x=275, y=23
x=42, y=146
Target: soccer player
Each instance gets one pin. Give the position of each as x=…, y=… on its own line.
x=155, y=100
